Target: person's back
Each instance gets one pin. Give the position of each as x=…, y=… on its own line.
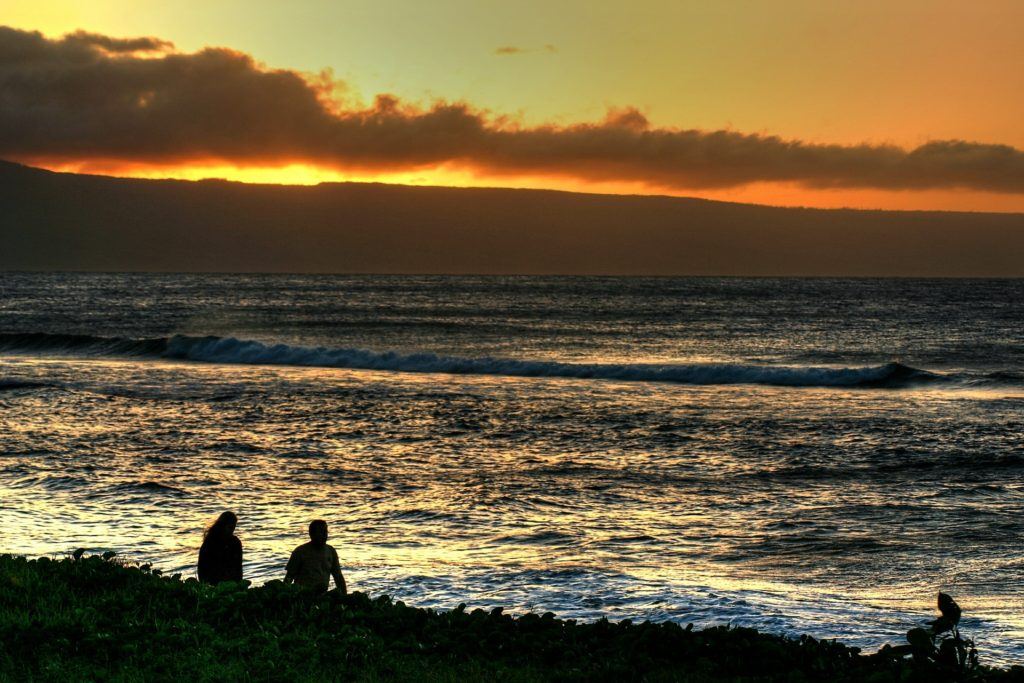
x=313, y=564
x=220, y=556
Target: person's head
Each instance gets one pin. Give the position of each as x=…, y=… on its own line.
x=318, y=531
x=223, y=527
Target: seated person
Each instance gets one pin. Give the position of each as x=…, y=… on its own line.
x=313, y=564
x=220, y=556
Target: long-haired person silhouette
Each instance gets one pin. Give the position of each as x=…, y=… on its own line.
x=220, y=556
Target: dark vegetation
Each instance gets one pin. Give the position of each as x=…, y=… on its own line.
x=93, y=618
x=940, y=643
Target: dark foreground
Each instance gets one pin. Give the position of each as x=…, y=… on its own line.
x=96, y=619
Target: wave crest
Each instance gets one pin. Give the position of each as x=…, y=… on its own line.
x=231, y=350
x=214, y=349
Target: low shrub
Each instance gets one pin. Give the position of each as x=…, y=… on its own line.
x=93, y=618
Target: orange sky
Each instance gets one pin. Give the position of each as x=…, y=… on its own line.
x=888, y=75
x=773, y=194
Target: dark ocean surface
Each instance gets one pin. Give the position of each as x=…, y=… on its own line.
x=799, y=455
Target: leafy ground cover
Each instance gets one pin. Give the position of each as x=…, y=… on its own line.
x=93, y=618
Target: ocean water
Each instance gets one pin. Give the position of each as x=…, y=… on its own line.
x=797, y=455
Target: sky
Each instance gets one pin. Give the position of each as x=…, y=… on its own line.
x=896, y=104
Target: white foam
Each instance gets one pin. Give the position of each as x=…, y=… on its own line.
x=231, y=350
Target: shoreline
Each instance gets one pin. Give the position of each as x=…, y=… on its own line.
x=100, y=618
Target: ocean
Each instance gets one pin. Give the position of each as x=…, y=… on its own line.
x=798, y=455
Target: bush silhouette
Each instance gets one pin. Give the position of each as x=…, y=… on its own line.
x=89, y=618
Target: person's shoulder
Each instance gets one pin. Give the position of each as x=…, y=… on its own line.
x=331, y=550
x=302, y=548
x=235, y=541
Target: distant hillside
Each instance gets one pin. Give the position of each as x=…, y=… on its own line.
x=64, y=221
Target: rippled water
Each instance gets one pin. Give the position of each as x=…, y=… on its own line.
x=798, y=455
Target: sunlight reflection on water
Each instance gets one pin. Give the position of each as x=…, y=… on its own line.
x=829, y=511
x=798, y=510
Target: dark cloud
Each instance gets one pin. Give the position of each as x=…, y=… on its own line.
x=516, y=50
x=109, y=44
x=86, y=96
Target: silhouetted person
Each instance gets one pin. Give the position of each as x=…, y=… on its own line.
x=220, y=556
x=313, y=564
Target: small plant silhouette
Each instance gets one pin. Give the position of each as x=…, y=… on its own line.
x=941, y=643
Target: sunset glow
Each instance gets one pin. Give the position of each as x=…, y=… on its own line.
x=473, y=340
x=769, y=194
x=892, y=106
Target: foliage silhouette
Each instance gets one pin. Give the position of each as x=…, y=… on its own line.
x=89, y=618
x=941, y=644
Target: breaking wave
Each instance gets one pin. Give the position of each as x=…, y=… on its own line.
x=214, y=349
x=80, y=344
x=19, y=384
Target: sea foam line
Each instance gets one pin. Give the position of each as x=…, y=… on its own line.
x=229, y=350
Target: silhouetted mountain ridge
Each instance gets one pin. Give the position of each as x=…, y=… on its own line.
x=62, y=221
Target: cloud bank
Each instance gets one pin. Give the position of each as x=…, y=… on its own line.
x=87, y=96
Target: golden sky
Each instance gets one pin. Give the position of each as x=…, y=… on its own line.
x=848, y=83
